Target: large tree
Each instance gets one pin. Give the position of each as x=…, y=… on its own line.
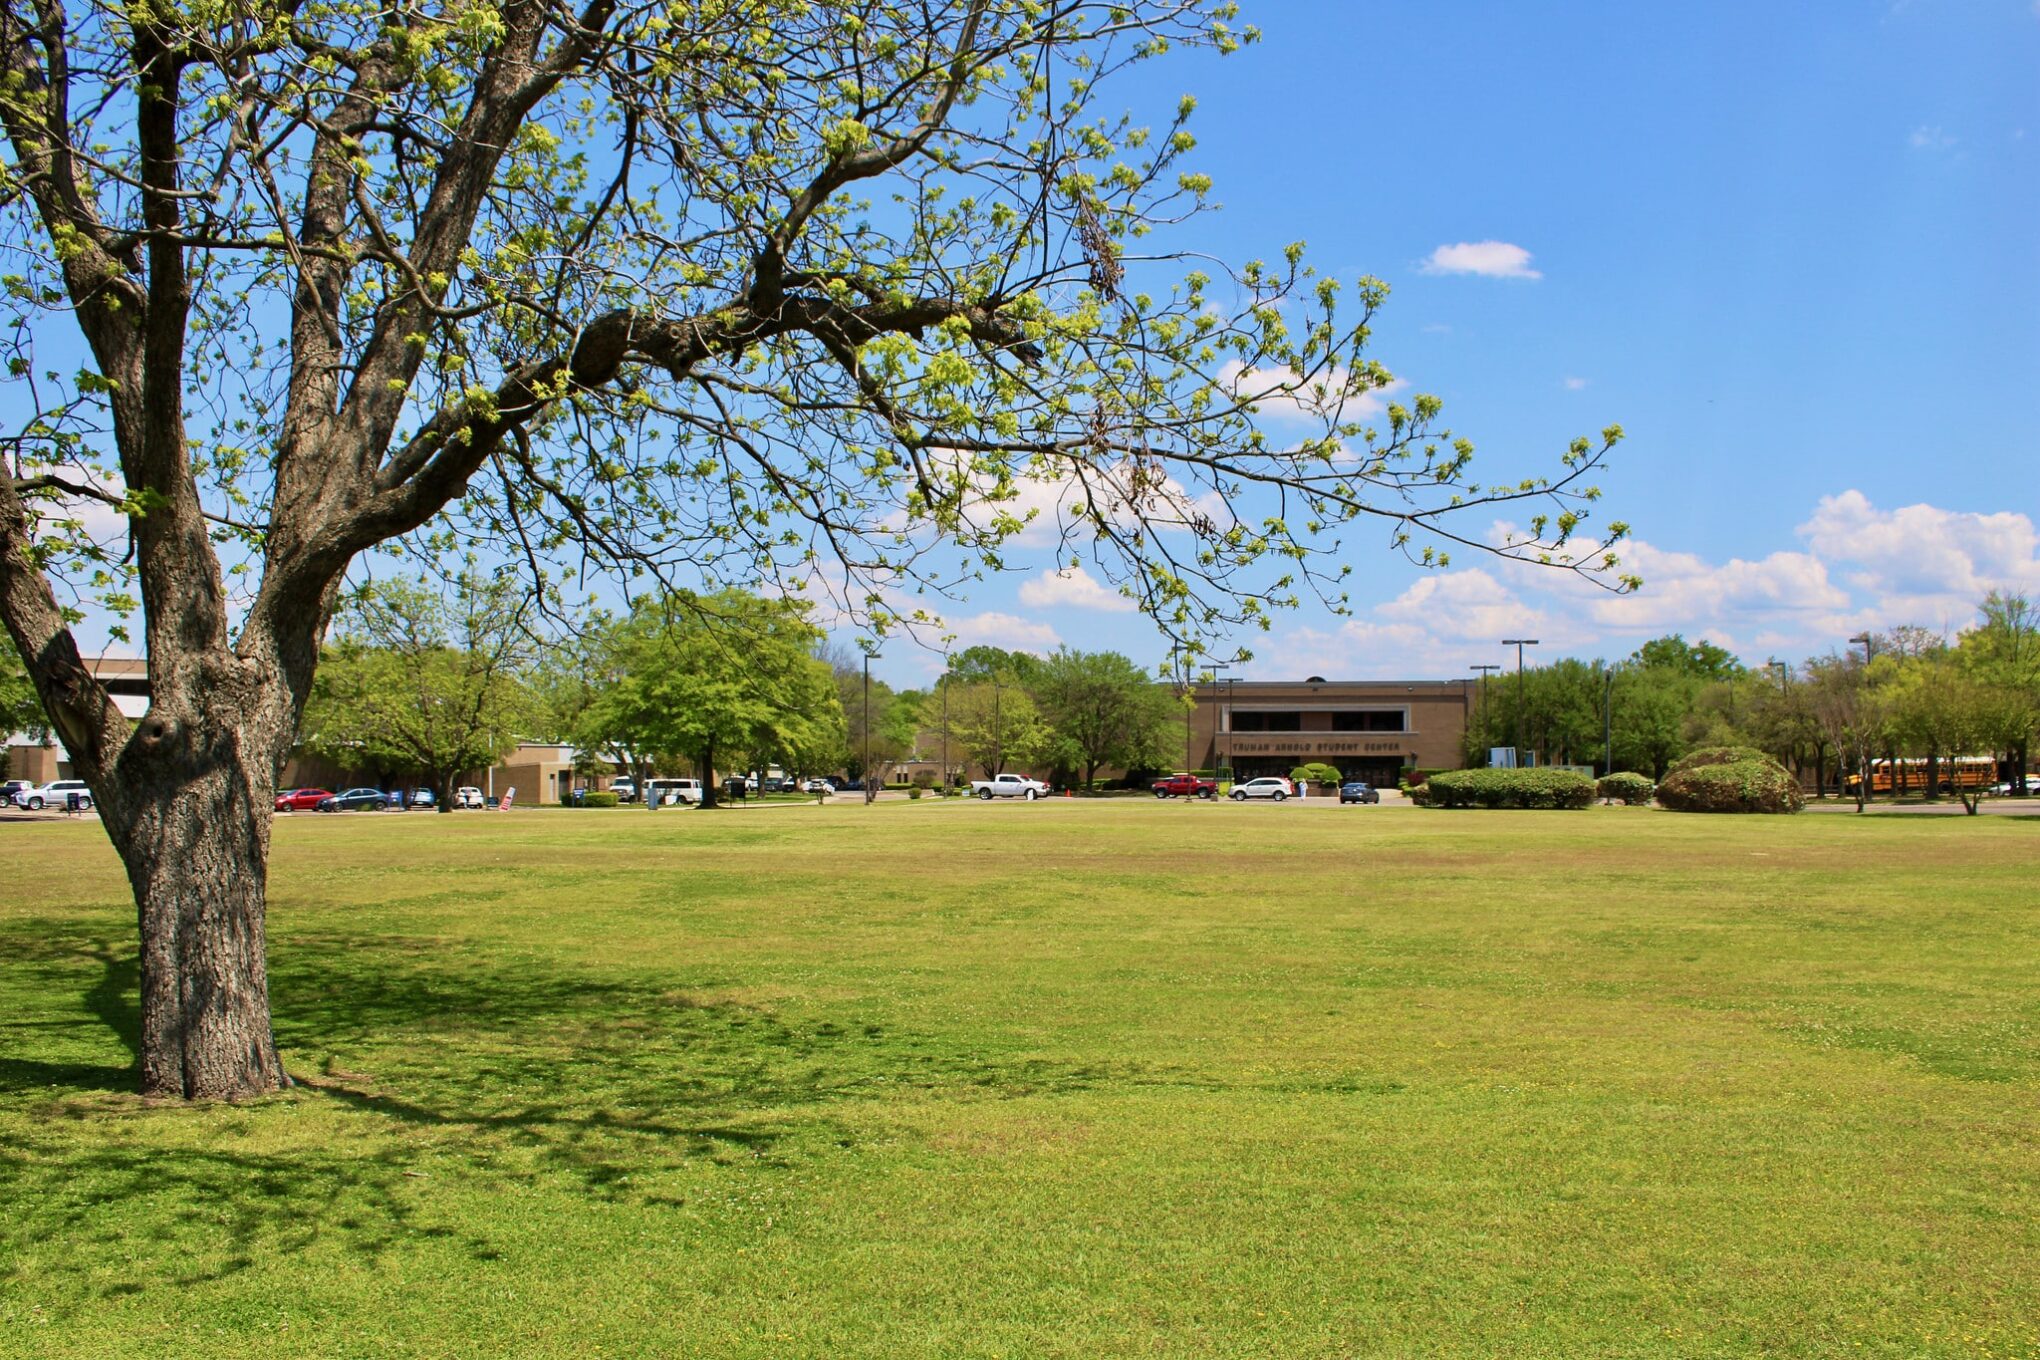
x=823, y=294
x=1104, y=710
x=423, y=680
x=719, y=681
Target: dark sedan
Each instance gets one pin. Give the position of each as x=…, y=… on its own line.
x=356, y=800
x=1357, y=792
x=297, y=800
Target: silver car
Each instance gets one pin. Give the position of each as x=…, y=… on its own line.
x=1268, y=786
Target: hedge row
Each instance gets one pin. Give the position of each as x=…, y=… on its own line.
x=1625, y=787
x=1506, y=789
x=602, y=799
x=1760, y=785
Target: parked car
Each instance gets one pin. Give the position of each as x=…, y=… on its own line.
x=12, y=787
x=300, y=800
x=672, y=792
x=1268, y=786
x=1009, y=786
x=625, y=789
x=1185, y=786
x=1355, y=791
x=355, y=800
x=423, y=798
x=821, y=786
x=57, y=793
x=468, y=796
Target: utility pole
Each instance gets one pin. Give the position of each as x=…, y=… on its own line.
x=998, y=733
x=1519, y=644
x=943, y=685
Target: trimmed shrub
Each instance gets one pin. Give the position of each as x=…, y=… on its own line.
x=916, y=790
x=603, y=799
x=1761, y=785
x=1626, y=787
x=1717, y=755
x=1508, y=789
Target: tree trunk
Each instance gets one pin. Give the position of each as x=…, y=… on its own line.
x=192, y=828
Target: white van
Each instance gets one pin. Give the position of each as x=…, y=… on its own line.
x=671, y=792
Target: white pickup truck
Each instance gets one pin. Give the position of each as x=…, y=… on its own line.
x=1009, y=786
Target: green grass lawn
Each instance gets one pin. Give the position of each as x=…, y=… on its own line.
x=1068, y=1079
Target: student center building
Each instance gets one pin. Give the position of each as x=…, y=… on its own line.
x=1371, y=730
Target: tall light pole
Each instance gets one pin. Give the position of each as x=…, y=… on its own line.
x=1869, y=644
x=1484, y=669
x=943, y=685
x=1519, y=644
x=998, y=732
x=1608, y=721
x=1784, y=674
x=869, y=792
x=1221, y=722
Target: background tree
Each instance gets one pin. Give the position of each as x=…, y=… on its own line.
x=424, y=682
x=2002, y=652
x=991, y=725
x=718, y=680
x=894, y=724
x=1104, y=710
x=603, y=283
x=20, y=710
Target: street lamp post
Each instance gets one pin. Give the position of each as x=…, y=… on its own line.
x=1869, y=645
x=1784, y=674
x=943, y=685
x=1483, y=709
x=1519, y=644
x=869, y=792
x=1222, y=723
x=1608, y=721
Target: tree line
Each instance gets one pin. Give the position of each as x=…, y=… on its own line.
x=1904, y=694
x=434, y=681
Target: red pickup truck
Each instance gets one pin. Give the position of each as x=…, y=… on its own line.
x=1185, y=786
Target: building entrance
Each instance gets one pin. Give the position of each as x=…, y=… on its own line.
x=1382, y=772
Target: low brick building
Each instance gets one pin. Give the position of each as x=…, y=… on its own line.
x=1368, y=729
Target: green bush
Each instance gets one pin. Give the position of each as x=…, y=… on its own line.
x=1316, y=773
x=1508, y=789
x=603, y=799
x=1759, y=785
x=915, y=791
x=1717, y=755
x=1626, y=787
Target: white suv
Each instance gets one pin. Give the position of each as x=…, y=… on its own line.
x=54, y=794
x=670, y=792
x=468, y=796
x=1268, y=786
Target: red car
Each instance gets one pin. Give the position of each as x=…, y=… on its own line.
x=300, y=800
x=1184, y=786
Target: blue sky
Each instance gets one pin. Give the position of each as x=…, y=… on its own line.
x=1793, y=250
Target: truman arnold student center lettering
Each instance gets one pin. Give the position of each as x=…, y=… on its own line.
x=1367, y=729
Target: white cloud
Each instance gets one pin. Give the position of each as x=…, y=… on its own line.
x=1923, y=550
x=1280, y=395
x=1074, y=588
x=1860, y=567
x=1489, y=259
x=1009, y=631
x=1930, y=138
x=1575, y=384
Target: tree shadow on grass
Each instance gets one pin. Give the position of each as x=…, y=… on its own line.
x=436, y=1063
